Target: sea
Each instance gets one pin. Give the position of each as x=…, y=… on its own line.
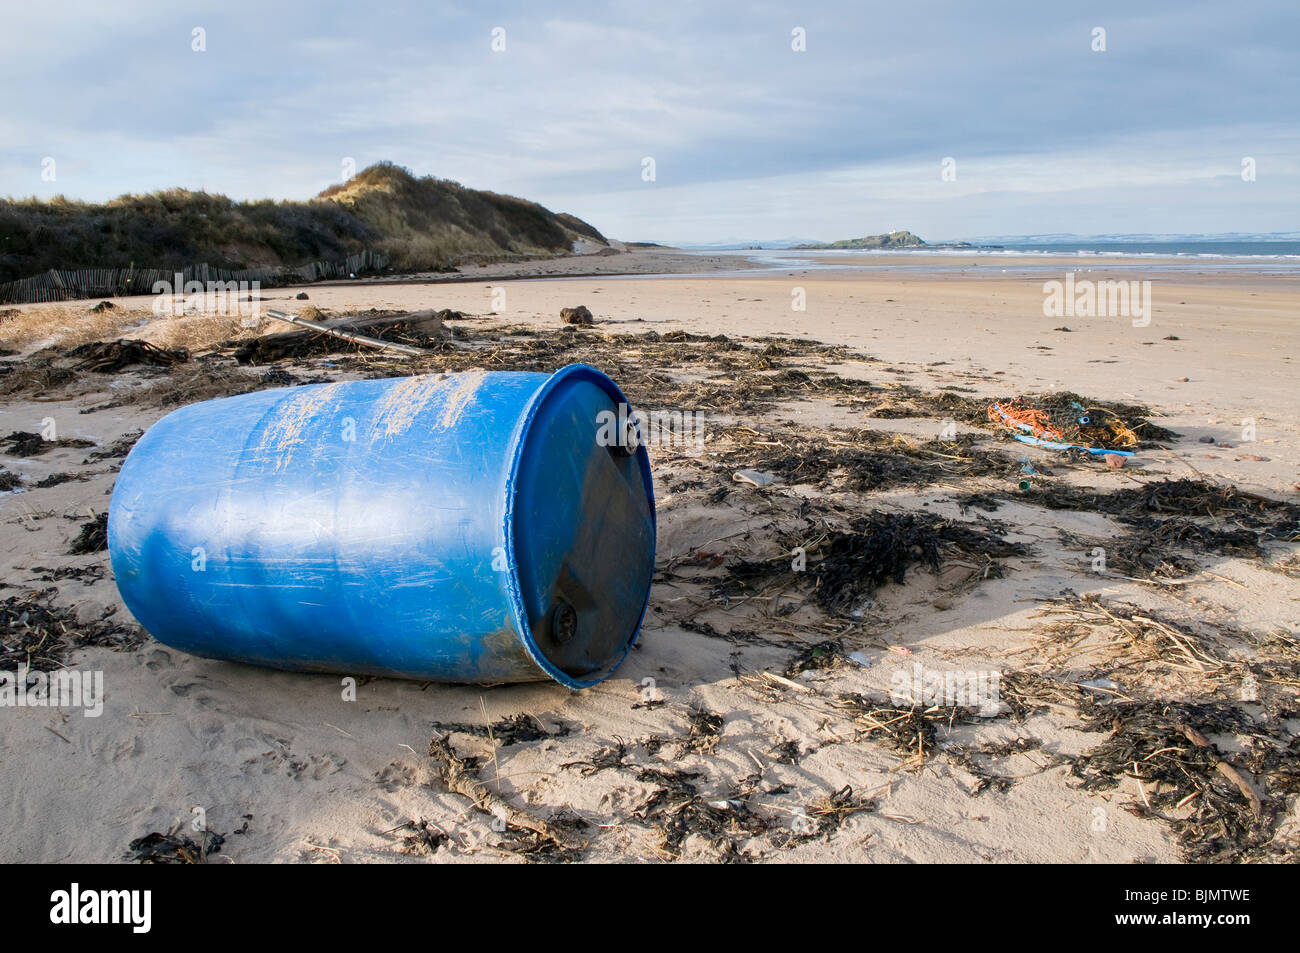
x=1270, y=258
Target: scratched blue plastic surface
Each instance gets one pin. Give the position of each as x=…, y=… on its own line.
x=414, y=527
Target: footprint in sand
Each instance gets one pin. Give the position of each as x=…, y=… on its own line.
x=395, y=777
x=157, y=659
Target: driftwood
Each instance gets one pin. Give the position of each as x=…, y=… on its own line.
x=461, y=779
x=346, y=335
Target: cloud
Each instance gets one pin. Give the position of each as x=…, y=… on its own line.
x=749, y=136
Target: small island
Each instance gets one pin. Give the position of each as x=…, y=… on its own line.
x=890, y=240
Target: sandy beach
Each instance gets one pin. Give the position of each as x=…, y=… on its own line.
x=754, y=720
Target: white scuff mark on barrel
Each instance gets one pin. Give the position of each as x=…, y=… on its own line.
x=467, y=385
x=404, y=402
x=293, y=416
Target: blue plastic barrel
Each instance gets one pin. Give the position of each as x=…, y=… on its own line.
x=476, y=527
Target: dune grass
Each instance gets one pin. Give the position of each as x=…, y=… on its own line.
x=421, y=224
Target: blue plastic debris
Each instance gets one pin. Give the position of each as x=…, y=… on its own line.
x=477, y=527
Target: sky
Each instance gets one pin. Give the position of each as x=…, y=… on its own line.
x=951, y=119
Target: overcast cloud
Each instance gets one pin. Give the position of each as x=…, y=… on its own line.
x=750, y=139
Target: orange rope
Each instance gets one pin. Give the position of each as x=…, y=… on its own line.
x=1032, y=417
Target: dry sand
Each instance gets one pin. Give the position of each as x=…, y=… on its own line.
x=289, y=771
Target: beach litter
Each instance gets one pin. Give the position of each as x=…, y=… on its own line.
x=1161, y=527
x=411, y=335
x=346, y=335
x=754, y=478
x=519, y=454
x=1067, y=425
x=825, y=656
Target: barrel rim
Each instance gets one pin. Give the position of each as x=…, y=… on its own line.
x=514, y=588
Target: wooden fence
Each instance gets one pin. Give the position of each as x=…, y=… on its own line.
x=59, y=285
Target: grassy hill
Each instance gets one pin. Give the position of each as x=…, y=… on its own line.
x=420, y=224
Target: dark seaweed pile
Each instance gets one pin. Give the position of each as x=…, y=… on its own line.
x=174, y=848
x=869, y=460
x=511, y=730
x=37, y=634
x=1183, y=783
x=93, y=537
x=1165, y=498
x=21, y=443
x=846, y=568
x=107, y=357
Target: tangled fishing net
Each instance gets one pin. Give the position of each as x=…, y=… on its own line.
x=1066, y=421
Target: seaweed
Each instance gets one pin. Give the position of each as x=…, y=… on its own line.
x=36, y=374
x=510, y=730
x=93, y=537
x=86, y=574
x=907, y=729
x=118, y=449
x=107, y=357
x=1164, y=523
x=1139, y=505
x=35, y=634
x=823, y=817
x=297, y=345
x=969, y=758
x=864, y=459
x=677, y=810
x=1155, y=550
x=422, y=837
x=460, y=776
x=58, y=479
x=605, y=759
x=21, y=443
x=174, y=848
x=1216, y=812
x=824, y=656
x=703, y=734
x=877, y=549
x=786, y=752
